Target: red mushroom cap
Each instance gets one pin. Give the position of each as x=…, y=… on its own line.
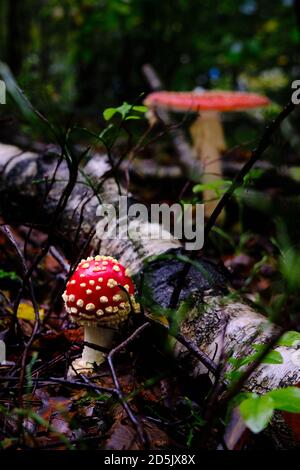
x=93, y=293
x=206, y=101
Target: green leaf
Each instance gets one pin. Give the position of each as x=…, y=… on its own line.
x=9, y=275
x=295, y=172
x=289, y=338
x=108, y=113
x=257, y=412
x=140, y=109
x=253, y=175
x=132, y=117
x=13, y=89
x=126, y=110
x=273, y=357
x=235, y=402
x=216, y=186
x=179, y=316
x=233, y=375
x=238, y=362
x=286, y=399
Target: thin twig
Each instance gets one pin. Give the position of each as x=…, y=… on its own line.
x=264, y=143
x=135, y=421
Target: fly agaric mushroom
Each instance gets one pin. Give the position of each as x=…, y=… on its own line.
x=99, y=296
x=206, y=131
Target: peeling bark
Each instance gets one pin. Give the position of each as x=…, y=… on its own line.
x=25, y=178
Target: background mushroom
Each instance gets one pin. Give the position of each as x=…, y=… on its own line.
x=207, y=131
x=95, y=299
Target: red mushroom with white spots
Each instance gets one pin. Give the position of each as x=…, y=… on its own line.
x=99, y=296
x=207, y=131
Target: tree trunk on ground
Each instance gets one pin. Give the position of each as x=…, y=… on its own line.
x=219, y=326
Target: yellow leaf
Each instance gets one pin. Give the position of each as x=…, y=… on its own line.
x=26, y=312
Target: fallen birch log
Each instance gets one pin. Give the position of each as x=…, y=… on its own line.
x=31, y=186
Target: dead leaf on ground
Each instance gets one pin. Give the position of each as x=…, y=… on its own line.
x=123, y=435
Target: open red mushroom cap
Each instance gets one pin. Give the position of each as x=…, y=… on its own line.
x=93, y=293
x=206, y=101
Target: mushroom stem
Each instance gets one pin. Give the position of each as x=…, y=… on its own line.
x=96, y=335
x=208, y=139
x=99, y=336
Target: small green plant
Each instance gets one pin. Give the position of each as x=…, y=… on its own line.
x=196, y=421
x=127, y=112
x=218, y=186
x=257, y=411
x=29, y=382
x=11, y=275
x=238, y=363
x=289, y=338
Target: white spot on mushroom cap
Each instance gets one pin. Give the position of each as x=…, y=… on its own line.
x=88, y=291
x=103, y=299
x=124, y=304
x=91, y=282
x=86, y=265
x=73, y=310
x=117, y=297
x=83, y=284
x=98, y=287
x=71, y=298
x=116, y=268
x=111, y=283
x=90, y=307
x=80, y=303
x=99, y=312
x=73, y=281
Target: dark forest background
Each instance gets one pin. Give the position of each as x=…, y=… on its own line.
x=82, y=56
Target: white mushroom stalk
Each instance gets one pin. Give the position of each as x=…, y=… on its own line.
x=209, y=143
x=99, y=336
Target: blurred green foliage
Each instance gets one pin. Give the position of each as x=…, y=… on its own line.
x=88, y=54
